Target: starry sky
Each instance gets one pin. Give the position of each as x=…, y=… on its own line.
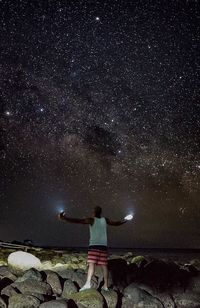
x=99, y=105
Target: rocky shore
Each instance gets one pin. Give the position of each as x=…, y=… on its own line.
x=134, y=282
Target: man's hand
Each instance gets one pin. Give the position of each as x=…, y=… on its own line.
x=61, y=216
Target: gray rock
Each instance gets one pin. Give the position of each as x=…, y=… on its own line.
x=194, y=284
x=5, y=272
x=23, y=301
x=111, y=298
x=89, y=299
x=39, y=296
x=60, y=303
x=54, y=281
x=80, y=278
x=32, y=285
x=187, y=300
x=4, y=282
x=64, y=273
x=30, y=274
x=166, y=299
x=69, y=288
x=136, y=297
x=2, y=303
x=9, y=291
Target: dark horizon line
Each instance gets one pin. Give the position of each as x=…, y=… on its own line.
x=110, y=247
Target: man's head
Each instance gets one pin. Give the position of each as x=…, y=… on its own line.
x=97, y=211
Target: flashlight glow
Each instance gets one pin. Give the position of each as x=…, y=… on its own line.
x=128, y=217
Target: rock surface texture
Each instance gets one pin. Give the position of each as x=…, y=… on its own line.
x=135, y=282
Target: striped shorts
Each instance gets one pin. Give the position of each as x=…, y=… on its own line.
x=97, y=255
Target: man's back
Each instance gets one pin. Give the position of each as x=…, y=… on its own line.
x=98, y=232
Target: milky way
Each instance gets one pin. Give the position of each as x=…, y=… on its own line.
x=99, y=105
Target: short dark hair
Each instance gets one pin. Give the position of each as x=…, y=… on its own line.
x=98, y=211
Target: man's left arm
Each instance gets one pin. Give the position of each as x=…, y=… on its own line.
x=115, y=223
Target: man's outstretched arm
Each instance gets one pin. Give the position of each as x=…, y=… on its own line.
x=84, y=221
x=115, y=223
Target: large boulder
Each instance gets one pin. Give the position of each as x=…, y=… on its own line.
x=54, y=281
x=89, y=298
x=32, y=285
x=23, y=301
x=20, y=261
x=136, y=297
x=5, y=282
x=64, y=273
x=9, y=291
x=139, y=261
x=111, y=298
x=79, y=277
x=69, y=288
x=194, y=284
x=187, y=300
x=117, y=272
x=59, y=303
x=5, y=272
x=30, y=274
x=166, y=299
x=2, y=303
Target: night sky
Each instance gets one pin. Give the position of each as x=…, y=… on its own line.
x=99, y=105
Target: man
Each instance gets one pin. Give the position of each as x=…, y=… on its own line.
x=97, y=253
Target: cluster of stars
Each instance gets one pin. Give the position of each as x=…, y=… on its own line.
x=101, y=99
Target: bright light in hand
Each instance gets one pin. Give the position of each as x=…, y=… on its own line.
x=128, y=217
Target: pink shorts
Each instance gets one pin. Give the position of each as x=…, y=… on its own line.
x=97, y=256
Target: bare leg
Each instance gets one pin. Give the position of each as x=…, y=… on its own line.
x=90, y=273
x=105, y=275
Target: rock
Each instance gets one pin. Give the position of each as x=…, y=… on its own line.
x=54, y=281
x=132, y=273
x=79, y=277
x=5, y=272
x=111, y=298
x=163, y=274
x=2, y=303
x=196, y=263
x=136, y=297
x=69, y=288
x=140, y=261
x=5, y=282
x=187, y=300
x=64, y=273
x=166, y=299
x=23, y=301
x=89, y=298
x=117, y=272
x=21, y=261
x=32, y=285
x=46, y=265
x=39, y=296
x=60, y=303
x=30, y=274
x=9, y=291
x=194, y=284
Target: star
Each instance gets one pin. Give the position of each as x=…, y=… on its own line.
x=97, y=18
x=8, y=113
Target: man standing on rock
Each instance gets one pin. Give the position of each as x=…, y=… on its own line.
x=97, y=253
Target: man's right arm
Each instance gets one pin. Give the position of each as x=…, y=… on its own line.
x=84, y=221
x=115, y=223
